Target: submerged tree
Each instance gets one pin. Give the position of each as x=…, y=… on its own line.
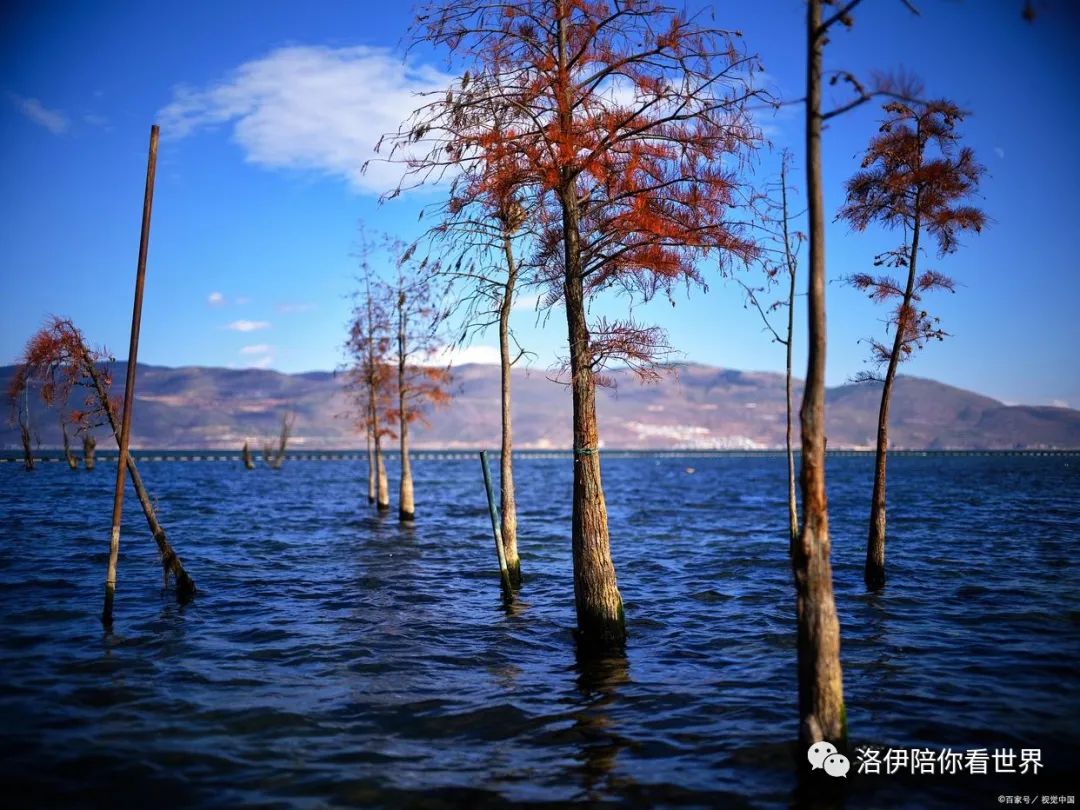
x=275, y=457
x=484, y=222
x=69, y=456
x=421, y=382
x=779, y=258
x=89, y=446
x=58, y=359
x=19, y=397
x=821, y=689
x=631, y=116
x=914, y=178
x=370, y=374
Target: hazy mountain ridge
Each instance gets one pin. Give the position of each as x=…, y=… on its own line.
x=696, y=407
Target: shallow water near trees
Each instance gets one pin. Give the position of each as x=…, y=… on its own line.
x=336, y=657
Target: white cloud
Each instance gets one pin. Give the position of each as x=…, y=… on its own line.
x=215, y=299
x=247, y=326
x=53, y=120
x=293, y=307
x=262, y=362
x=999, y=152
x=1059, y=403
x=485, y=355
x=310, y=107
x=257, y=348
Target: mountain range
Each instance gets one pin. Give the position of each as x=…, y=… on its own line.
x=695, y=406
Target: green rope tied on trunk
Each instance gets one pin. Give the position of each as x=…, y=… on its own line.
x=584, y=451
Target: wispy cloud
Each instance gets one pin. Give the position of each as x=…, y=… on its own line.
x=53, y=120
x=215, y=299
x=257, y=348
x=1000, y=152
x=247, y=326
x=309, y=107
x=293, y=307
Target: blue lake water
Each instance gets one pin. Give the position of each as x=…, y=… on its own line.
x=333, y=658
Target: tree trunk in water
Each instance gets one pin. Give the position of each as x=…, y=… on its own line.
x=793, y=505
x=73, y=463
x=249, y=462
x=874, y=572
x=370, y=470
x=170, y=561
x=508, y=504
x=24, y=432
x=383, y=494
x=28, y=451
x=89, y=445
x=600, y=618
x=821, y=690
x=406, y=507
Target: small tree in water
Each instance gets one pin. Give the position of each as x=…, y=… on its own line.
x=370, y=373
x=421, y=382
x=59, y=361
x=914, y=177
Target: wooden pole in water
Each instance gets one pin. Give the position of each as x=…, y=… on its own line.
x=129, y=385
x=504, y=572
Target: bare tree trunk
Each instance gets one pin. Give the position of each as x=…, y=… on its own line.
x=170, y=562
x=406, y=507
x=508, y=504
x=370, y=469
x=89, y=445
x=73, y=463
x=28, y=450
x=600, y=618
x=383, y=504
x=287, y=421
x=793, y=506
x=249, y=462
x=821, y=690
x=874, y=572
x=24, y=431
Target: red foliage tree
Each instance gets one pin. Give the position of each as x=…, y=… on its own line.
x=629, y=117
x=914, y=177
x=59, y=361
x=421, y=382
x=370, y=375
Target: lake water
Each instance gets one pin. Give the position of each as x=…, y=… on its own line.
x=332, y=658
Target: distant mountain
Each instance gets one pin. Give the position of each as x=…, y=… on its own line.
x=697, y=407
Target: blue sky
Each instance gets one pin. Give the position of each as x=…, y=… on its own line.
x=268, y=109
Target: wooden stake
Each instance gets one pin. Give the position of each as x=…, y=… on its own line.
x=129, y=386
x=504, y=572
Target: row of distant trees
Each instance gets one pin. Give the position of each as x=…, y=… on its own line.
x=594, y=147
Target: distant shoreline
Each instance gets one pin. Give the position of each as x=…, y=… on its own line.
x=190, y=455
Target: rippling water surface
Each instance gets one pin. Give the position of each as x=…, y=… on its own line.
x=335, y=658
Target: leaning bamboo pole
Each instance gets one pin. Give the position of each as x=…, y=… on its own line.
x=129, y=385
